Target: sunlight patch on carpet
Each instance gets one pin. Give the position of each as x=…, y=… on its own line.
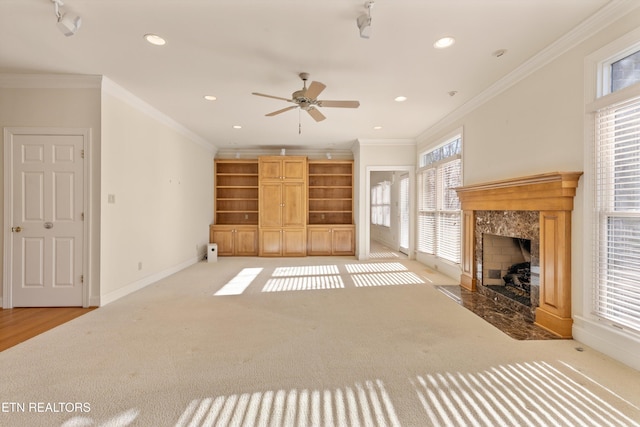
x=533, y=393
x=386, y=279
x=310, y=270
x=303, y=283
x=375, y=267
x=362, y=404
x=240, y=282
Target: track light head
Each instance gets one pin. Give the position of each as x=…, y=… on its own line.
x=68, y=22
x=364, y=25
x=364, y=20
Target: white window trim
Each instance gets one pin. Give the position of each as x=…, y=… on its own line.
x=623, y=345
x=456, y=134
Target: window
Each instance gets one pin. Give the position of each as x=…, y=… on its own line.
x=381, y=204
x=625, y=72
x=617, y=192
x=439, y=214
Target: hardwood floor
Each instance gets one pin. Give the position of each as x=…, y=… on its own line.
x=20, y=324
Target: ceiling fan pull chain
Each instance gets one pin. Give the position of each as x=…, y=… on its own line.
x=299, y=124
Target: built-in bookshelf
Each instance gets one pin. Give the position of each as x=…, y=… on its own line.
x=236, y=192
x=330, y=192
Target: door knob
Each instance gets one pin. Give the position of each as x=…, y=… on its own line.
x=16, y=229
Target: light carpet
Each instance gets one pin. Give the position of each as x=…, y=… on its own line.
x=305, y=342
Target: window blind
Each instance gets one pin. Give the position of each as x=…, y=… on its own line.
x=381, y=204
x=439, y=227
x=404, y=212
x=617, y=263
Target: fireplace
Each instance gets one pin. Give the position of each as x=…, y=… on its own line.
x=507, y=252
x=535, y=208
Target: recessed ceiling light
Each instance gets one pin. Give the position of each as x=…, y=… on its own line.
x=210, y=97
x=237, y=127
x=155, y=39
x=377, y=127
x=400, y=98
x=444, y=42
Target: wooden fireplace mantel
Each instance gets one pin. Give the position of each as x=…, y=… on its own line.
x=552, y=195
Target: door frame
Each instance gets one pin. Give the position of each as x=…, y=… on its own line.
x=8, y=134
x=400, y=227
x=411, y=170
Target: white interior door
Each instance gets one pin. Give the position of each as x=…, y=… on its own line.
x=47, y=220
x=404, y=214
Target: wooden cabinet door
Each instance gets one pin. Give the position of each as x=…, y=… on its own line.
x=294, y=242
x=319, y=241
x=343, y=241
x=270, y=169
x=293, y=169
x=294, y=209
x=246, y=241
x=271, y=242
x=223, y=237
x=270, y=204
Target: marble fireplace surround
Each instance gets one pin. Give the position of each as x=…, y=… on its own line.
x=551, y=196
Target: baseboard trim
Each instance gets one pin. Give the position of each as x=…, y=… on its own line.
x=616, y=344
x=142, y=283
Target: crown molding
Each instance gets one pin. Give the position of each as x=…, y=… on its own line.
x=117, y=91
x=50, y=81
x=313, y=154
x=604, y=17
x=386, y=142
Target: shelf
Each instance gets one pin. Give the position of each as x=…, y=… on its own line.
x=236, y=192
x=330, y=192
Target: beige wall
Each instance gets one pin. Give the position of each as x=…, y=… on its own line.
x=59, y=108
x=537, y=126
x=162, y=180
x=162, y=185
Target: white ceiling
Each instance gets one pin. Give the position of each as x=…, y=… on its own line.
x=230, y=48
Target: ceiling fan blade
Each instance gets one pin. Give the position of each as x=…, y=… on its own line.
x=316, y=114
x=281, y=111
x=339, y=104
x=314, y=89
x=271, y=96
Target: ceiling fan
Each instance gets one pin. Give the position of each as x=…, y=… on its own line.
x=307, y=99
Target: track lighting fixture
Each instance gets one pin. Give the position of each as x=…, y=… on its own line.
x=364, y=20
x=68, y=22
